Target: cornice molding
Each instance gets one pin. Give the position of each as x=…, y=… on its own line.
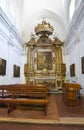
x=10, y=27
x=75, y=32
x=77, y=18
x=3, y=35
x=68, y=49
x=78, y=15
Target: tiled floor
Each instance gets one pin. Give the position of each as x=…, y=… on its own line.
x=22, y=126
x=29, y=113
x=68, y=112
x=57, y=114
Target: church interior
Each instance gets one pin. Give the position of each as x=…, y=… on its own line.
x=42, y=64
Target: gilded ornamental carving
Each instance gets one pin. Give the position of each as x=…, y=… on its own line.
x=44, y=57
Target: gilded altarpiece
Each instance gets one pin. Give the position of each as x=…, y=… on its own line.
x=44, y=60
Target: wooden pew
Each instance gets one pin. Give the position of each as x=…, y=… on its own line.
x=12, y=95
x=16, y=101
x=40, y=91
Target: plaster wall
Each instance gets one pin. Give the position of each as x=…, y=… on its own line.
x=73, y=50
x=11, y=50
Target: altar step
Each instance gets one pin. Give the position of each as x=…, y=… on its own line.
x=55, y=91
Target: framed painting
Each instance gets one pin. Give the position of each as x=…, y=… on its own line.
x=2, y=66
x=72, y=70
x=44, y=60
x=82, y=65
x=16, y=70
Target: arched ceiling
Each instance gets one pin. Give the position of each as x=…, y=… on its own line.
x=54, y=11
x=55, y=20
x=28, y=13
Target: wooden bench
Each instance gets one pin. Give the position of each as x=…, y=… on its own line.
x=25, y=90
x=12, y=95
x=11, y=103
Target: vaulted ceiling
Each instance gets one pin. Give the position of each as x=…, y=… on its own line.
x=28, y=13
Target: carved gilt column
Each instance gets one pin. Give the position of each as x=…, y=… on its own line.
x=31, y=58
x=58, y=52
